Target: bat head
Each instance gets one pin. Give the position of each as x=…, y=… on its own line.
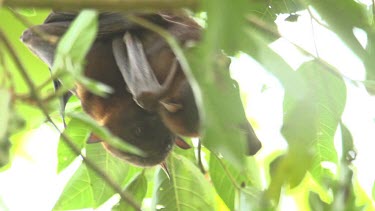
x=143, y=130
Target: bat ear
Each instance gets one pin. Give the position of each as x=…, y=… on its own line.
x=182, y=143
x=171, y=107
x=93, y=139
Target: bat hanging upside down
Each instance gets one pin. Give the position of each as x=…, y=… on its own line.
x=152, y=104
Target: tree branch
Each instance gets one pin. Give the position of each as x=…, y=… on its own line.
x=123, y=5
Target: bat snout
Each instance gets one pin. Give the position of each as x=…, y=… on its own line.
x=26, y=36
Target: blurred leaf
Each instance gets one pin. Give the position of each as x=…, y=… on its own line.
x=78, y=133
x=348, y=152
x=316, y=203
x=286, y=6
x=71, y=52
x=309, y=127
x=97, y=88
x=344, y=197
x=225, y=21
x=250, y=199
x=77, y=193
x=370, y=63
x=103, y=133
x=77, y=41
x=362, y=197
x=221, y=118
x=310, y=123
x=7, y=126
x=138, y=188
x=5, y=98
x=373, y=191
x=228, y=181
x=187, y=188
x=26, y=11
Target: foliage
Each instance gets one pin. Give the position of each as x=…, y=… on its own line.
x=315, y=95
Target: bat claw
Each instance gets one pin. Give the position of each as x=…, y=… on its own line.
x=164, y=166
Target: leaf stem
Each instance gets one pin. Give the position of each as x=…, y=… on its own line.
x=230, y=176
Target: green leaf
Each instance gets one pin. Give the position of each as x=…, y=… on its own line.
x=310, y=123
x=103, y=133
x=373, y=191
x=187, y=188
x=188, y=153
x=86, y=189
x=228, y=181
x=77, y=193
x=326, y=98
x=116, y=168
x=138, y=188
x=97, y=88
x=78, y=133
x=77, y=41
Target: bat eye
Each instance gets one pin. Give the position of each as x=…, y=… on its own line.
x=138, y=131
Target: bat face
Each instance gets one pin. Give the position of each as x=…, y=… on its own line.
x=143, y=130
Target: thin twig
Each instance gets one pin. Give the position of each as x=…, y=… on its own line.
x=316, y=19
x=314, y=35
x=262, y=25
x=124, y=195
x=123, y=5
x=229, y=174
x=200, y=164
x=7, y=80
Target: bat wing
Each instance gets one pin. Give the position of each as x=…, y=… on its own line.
x=137, y=73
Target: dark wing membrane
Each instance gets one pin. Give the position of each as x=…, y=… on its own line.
x=137, y=73
x=60, y=16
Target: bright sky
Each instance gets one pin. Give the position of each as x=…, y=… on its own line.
x=31, y=183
